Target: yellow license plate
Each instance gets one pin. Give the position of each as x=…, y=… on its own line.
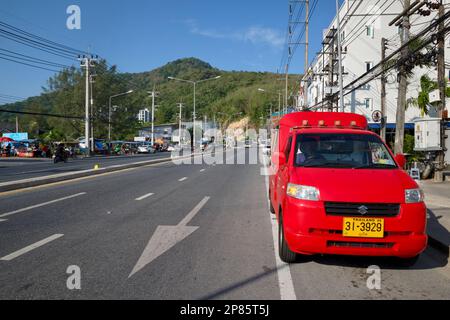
x=363, y=227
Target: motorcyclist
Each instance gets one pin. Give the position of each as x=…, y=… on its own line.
x=61, y=152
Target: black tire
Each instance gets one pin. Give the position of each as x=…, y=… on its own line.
x=286, y=255
x=408, y=262
x=271, y=208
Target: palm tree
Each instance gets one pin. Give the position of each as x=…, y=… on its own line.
x=423, y=99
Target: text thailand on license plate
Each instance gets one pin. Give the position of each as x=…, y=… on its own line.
x=363, y=227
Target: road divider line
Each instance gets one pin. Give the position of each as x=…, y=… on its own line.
x=285, y=283
x=31, y=247
x=27, y=184
x=182, y=179
x=202, y=170
x=3, y=220
x=41, y=205
x=144, y=196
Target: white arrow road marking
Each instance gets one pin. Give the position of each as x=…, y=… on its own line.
x=33, y=246
x=165, y=237
x=182, y=179
x=41, y=205
x=144, y=196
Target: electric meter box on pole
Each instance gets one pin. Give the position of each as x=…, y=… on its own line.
x=427, y=134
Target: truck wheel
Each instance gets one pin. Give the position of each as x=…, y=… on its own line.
x=286, y=255
x=271, y=208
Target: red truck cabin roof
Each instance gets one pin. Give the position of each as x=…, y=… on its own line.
x=320, y=121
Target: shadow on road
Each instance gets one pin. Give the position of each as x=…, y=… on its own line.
x=243, y=283
x=429, y=259
x=436, y=229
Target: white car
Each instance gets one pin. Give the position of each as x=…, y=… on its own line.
x=145, y=149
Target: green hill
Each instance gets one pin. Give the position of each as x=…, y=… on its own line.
x=235, y=92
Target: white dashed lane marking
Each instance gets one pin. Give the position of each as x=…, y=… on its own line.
x=31, y=247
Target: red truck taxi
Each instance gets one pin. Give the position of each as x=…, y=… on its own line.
x=337, y=188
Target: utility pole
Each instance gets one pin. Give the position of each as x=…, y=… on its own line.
x=17, y=124
x=194, y=115
x=305, y=76
x=87, y=62
x=153, y=94
x=91, y=82
x=403, y=84
x=180, y=105
x=287, y=88
x=383, y=92
x=438, y=176
x=339, y=42
x=279, y=103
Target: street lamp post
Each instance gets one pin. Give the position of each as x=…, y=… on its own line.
x=195, y=89
x=109, y=111
x=279, y=97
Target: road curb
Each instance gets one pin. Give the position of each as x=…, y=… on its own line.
x=438, y=245
x=35, y=182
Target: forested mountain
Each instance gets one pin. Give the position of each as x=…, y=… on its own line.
x=235, y=92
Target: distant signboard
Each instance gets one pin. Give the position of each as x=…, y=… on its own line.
x=17, y=136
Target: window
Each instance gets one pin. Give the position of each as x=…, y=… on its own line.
x=342, y=36
x=358, y=151
x=368, y=103
x=369, y=31
x=369, y=65
x=287, y=150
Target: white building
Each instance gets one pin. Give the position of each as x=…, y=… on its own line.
x=363, y=25
x=144, y=115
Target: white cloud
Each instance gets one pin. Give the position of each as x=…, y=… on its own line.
x=253, y=34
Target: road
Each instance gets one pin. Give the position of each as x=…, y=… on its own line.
x=171, y=231
x=14, y=169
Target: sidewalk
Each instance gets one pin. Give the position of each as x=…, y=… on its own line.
x=437, y=198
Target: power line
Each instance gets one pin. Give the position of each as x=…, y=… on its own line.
x=37, y=43
x=41, y=114
x=372, y=17
x=24, y=57
x=4, y=24
x=30, y=65
x=66, y=56
x=11, y=96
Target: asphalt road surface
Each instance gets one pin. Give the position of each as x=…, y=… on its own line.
x=171, y=231
x=14, y=169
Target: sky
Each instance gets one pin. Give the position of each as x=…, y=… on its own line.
x=140, y=35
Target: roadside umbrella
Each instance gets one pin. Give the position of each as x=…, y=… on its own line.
x=5, y=139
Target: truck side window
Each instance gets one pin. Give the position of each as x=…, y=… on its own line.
x=287, y=150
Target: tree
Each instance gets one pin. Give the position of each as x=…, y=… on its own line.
x=423, y=99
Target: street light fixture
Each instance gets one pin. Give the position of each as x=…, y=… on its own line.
x=195, y=88
x=274, y=93
x=109, y=116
